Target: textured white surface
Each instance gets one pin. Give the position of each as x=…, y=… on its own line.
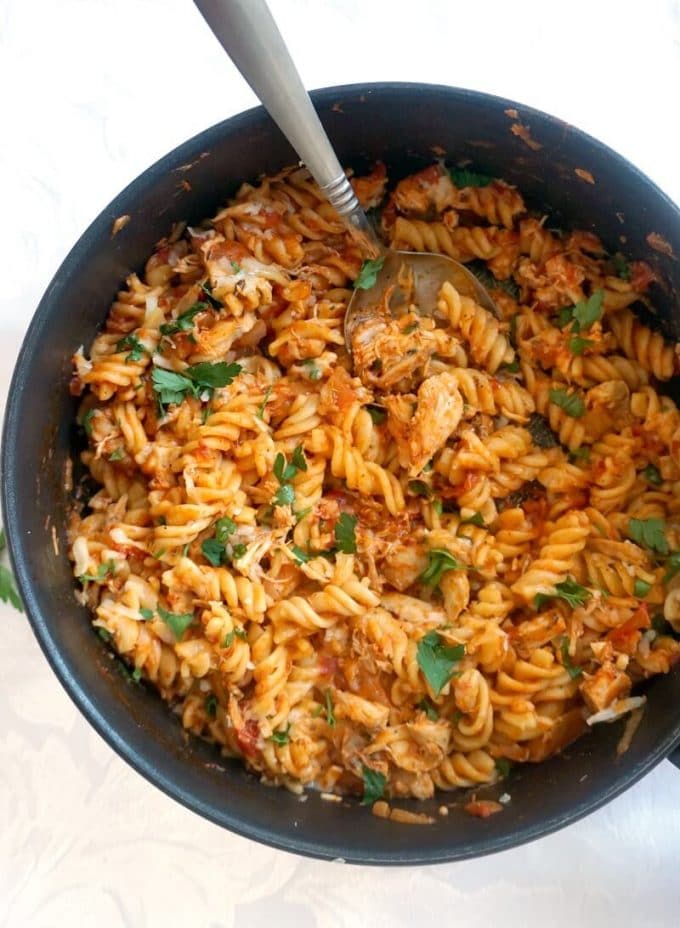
x=92, y=93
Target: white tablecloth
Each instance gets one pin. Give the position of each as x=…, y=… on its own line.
x=92, y=93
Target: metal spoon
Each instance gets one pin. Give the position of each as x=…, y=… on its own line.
x=247, y=32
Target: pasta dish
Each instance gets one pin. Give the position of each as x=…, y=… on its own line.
x=404, y=569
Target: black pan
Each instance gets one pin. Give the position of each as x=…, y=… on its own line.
x=401, y=124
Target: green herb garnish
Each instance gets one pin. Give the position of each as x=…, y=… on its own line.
x=185, y=321
x=374, y=786
x=368, y=274
x=313, y=369
x=8, y=590
x=580, y=454
x=650, y=533
x=571, y=403
x=171, y=387
x=440, y=561
x=117, y=455
x=571, y=669
x=177, y=622
x=503, y=766
x=86, y=421
x=569, y=590
x=285, y=495
x=131, y=342
x=437, y=660
x=541, y=433
x=330, y=714
x=108, y=567
x=260, y=408
x=621, y=266
x=652, y=475
x=461, y=177
x=577, y=344
x=234, y=633
x=475, y=519
x=430, y=711
x=419, y=488
x=146, y=614
x=641, y=588
x=211, y=705
x=345, y=536
x=280, y=737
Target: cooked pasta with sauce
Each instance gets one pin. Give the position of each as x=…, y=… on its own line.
x=402, y=571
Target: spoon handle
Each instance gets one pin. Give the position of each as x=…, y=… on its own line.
x=247, y=32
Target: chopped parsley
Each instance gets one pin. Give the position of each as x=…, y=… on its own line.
x=368, y=274
x=117, y=455
x=571, y=403
x=280, y=737
x=207, y=291
x=437, y=660
x=234, y=633
x=185, y=321
x=652, y=475
x=475, y=519
x=218, y=550
x=641, y=588
x=580, y=454
x=649, y=533
x=569, y=590
x=503, y=766
x=672, y=565
x=374, y=785
x=86, y=421
x=577, y=344
x=146, y=614
x=419, y=488
x=440, y=561
x=430, y=711
x=136, y=348
x=313, y=370
x=285, y=472
x=345, y=537
x=512, y=368
x=171, y=387
x=285, y=495
x=177, y=622
x=330, y=714
x=461, y=177
x=211, y=706
x=260, y=408
x=571, y=669
x=621, y=266
x=377, y=414
x=438, y=506
x=108, y=567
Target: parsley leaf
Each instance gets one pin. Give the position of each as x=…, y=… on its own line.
x=437, y=660
x=146, y=614
x=280, y=737
x=137, y=349
x=571, y=403
x=213, y=551
x=569, y=590
x=430, y=711
x=234, y=633
x=503, y=766
x=440, y=561
x=577, y=344
x=641, y=588
x=298, y=460
x=419, y=488
x=374, y=785
x=86, y=421
x=285, y=495
x=345, y=537
x=672, y=565
x=108, y=567
x=512, y=368
x=177, y=622
x=571, y=669
x=330, y=715
x=224, y=527
x=377, y=414
x=650, y=533
x=211, y=705
x=461, y=177
x=300, y=556
x=580, y=454
x=117, y=455
x=438, y=506
x=238, y=551
x=285, y=472
x=588, y=311
x=368, y=274
x=185, y=321
x=621, y=266
x=208, y=375
x=260, y=408
x=475, y=519
x=652, y=475
x=207, y=291
x=313, y=369
x=170, y=387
